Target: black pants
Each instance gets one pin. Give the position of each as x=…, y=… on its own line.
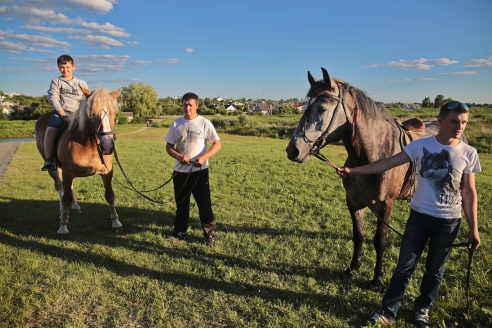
x=196, y=184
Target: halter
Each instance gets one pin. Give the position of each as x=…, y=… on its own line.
x=318, y=143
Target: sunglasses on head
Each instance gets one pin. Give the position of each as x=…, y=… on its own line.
x=455, y=104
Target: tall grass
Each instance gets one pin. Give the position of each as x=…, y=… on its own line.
x=284, y=237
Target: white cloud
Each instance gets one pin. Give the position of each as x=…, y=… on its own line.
x=38, y=40
x=66, y=30
x=171, y=60
x=142, y=62
x=442, y=61
x=419, y=64
x=101, y=63
x=480, y=62
x=106, y=28
x=413, y=80
x=462, y=73
x=52, y=16
x=98, y=41
x=17, y=48
x=189, y=50
x=97, y=6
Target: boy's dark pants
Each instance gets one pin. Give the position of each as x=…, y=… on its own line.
x=196, y=184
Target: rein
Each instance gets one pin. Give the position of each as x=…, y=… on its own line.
x=141, y=193
x=372, y=208
x=96, y=137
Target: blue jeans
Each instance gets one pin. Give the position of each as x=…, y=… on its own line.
x=56, y=121
x=420, y=228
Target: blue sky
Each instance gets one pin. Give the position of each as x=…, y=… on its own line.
x=393, y=50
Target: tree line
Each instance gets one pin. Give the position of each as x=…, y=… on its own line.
x=142, y=100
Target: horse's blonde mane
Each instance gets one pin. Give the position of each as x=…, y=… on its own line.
x=99, y=100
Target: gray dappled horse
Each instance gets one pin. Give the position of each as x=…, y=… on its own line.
x=338, y=111
x=84, y=149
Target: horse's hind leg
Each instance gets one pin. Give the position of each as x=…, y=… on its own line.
x=56, y=175
x=109, y=195
x=66, y=201
x=74, y=206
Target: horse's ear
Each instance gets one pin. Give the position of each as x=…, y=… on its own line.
x=326, y=77
x=311, y=79
x=86, y=92
x=115, y=93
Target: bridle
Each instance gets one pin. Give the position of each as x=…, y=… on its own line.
x=321, y=140
x=96, y=135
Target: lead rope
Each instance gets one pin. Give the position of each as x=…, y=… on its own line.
x=464, y=244
x=132, y=187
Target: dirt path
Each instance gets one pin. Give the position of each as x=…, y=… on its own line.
x=7, y=152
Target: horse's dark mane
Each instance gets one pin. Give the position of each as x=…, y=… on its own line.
x=371, y=109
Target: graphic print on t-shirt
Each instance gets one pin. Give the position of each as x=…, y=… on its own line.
x=437, y=168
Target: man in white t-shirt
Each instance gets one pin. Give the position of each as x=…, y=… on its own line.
x=446, y=169
x=186, y=142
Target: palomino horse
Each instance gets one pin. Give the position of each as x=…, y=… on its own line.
x=84, y=149
x=339, y=111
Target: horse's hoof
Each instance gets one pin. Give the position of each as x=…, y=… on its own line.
x=116, y=224
x=376, y=285
x=347, y=274
x=75, y=207
x=63, y=230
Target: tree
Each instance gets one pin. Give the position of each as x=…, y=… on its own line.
x=170, y=106
x=438, y=101
x=426, y=102
x=140, y=99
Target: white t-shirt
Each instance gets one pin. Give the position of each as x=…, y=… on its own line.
x=439, y=172
x=190, y=139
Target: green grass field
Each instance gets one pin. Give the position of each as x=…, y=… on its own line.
x=284, y=238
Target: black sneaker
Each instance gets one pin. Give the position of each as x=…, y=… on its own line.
x=422, y=319
x=210, y=239
x=381, y=319
x=48, y=165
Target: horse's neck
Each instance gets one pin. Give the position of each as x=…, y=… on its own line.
x=372, y=141
x=80, y=130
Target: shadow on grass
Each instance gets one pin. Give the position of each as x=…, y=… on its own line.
x=39, y=220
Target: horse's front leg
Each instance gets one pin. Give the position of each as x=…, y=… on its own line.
x=109, y=195
x=357, y=215
x=379, y=242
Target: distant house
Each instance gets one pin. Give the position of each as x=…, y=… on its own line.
x=410, y=106
x=129, y=116
x=231, y=108
x=301, y=106
x=265, y=109
x=7, y=107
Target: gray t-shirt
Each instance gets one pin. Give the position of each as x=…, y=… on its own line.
x=66, y=94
